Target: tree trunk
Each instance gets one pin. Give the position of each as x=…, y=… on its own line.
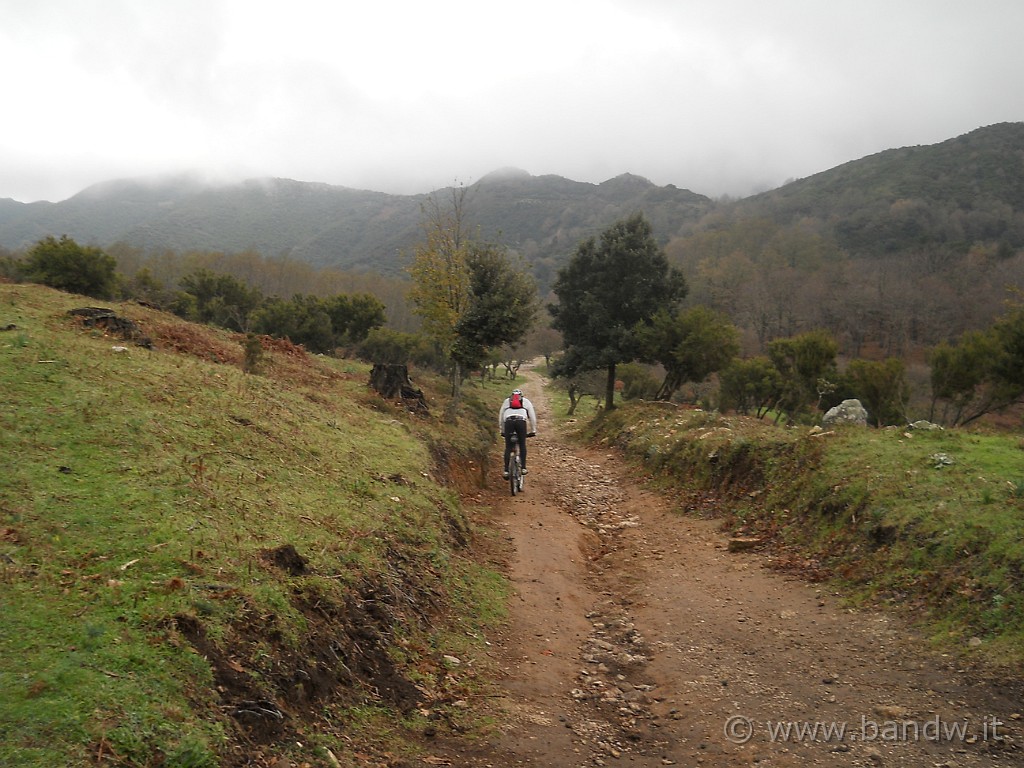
x=609, y=392
x=392, y=381
x=573, y=401
x=456, y=381
x=668, y=387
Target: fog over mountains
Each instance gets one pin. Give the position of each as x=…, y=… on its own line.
x=977, y=178
x=331, y=225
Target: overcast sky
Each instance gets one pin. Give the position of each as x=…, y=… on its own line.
x=406, y=96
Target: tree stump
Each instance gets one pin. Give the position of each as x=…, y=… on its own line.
x=107, y=320
x=391, y=380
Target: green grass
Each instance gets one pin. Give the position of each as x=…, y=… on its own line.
x=144, y=488
x=931, y=523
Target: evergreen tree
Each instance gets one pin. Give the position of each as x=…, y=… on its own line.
x=609, y=286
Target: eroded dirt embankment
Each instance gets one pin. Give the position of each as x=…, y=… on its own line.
x=637, y=638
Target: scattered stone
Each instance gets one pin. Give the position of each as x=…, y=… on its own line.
x=874, y=756
x=744, y=543
x=891, y=712
x=847, y=412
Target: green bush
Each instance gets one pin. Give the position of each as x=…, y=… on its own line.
x=67, y=266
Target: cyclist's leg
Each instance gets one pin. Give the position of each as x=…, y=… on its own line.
x=509, y=436
x=521, y=435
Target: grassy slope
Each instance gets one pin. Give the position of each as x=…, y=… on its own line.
x=873, y=510
x=149, y=504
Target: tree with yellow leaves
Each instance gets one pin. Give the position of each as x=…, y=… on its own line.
x=467, y=293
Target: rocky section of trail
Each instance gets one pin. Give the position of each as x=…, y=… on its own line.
x=612, y=688
x=576, y=661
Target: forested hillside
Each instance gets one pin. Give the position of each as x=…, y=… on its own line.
x=891, y=253
x=965, y=189
x=318, y=223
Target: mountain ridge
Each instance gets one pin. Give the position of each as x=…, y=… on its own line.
x=966, y=188
x=326, y=225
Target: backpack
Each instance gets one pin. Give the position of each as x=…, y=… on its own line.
x=516, y=401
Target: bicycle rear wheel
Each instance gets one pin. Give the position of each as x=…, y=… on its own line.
x=515, y=477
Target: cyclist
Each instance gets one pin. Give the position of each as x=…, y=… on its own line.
x=517, y=420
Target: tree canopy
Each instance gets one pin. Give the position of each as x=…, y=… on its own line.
x=609, y=286
x=807, y=365
x=983, y=372
x=440, y=270
x=217, y=299
x=502, y=305
x=320, y=324
x=881, y=385
x=752, y=385
x=690, y=345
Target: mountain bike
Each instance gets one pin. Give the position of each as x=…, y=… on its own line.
x=516, y=481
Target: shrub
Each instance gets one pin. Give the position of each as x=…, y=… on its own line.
x=67, y=266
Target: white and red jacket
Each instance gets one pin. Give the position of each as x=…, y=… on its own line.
x=526, y=412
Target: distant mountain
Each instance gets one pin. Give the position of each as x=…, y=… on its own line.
x=966, y=189
x=337, y=226
x=272, y=216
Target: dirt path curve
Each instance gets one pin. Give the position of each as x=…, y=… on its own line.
x=636, y=638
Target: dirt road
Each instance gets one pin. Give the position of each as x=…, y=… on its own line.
x=636, y=638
